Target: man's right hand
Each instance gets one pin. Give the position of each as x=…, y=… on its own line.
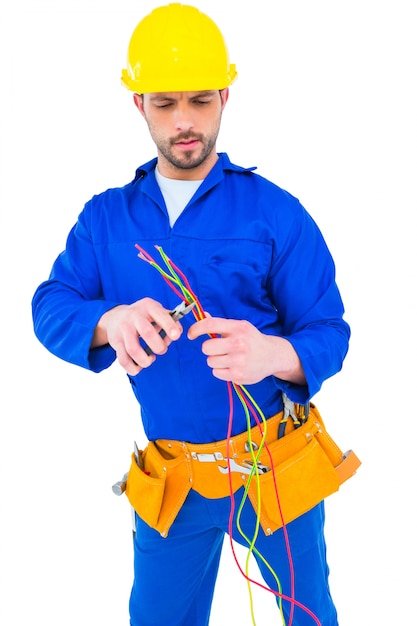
x=122, y=326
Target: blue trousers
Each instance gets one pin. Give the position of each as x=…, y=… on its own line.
x=174, y=577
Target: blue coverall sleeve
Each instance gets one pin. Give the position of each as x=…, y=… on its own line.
x=67, y=306
x=310, y=306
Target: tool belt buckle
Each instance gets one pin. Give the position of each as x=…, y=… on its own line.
x=205, y=457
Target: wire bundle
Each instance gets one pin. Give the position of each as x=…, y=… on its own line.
x=179, y=283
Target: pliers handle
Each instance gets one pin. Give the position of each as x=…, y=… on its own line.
x=289, y=410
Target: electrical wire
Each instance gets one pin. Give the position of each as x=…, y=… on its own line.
x=179, y=283
x=239, y=390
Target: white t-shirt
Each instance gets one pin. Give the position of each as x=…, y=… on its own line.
x=177, y=194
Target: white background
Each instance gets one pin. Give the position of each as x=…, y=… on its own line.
x=325, y=105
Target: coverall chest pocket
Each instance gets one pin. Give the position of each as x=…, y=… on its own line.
x=237, y=268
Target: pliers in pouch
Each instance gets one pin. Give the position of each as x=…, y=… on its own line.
x=289, y=410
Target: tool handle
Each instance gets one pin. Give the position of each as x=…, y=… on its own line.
x=120, y=487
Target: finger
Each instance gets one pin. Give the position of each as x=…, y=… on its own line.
x=216, y=346
x=155, y=340
x=134, y=364
x=165, y=325
x=134, y=350
x=209, y=326
x=223, y=374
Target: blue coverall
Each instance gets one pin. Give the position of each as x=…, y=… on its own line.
x=250, y=251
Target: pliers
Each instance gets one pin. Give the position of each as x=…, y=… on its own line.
x=180, y=310
x=289, y=410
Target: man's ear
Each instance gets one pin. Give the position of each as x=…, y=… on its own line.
x=224, y=95
x=138, y=100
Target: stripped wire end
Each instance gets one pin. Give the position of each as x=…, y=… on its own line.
x=175, y=279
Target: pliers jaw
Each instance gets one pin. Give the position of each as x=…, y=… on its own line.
x=181, y=309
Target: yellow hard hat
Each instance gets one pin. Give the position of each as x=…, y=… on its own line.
x=177, y=48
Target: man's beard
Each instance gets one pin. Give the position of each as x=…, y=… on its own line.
x=187, y=160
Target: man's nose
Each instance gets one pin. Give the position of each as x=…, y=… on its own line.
x=183, y=118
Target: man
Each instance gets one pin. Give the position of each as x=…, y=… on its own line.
x=260, y=267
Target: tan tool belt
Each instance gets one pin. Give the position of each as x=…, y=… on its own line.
x=295, y=472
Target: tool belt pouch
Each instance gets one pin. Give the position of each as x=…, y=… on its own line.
x=157, y=487
x=307, y=467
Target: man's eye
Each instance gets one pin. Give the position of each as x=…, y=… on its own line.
x=164, y=106
x=202, y=102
